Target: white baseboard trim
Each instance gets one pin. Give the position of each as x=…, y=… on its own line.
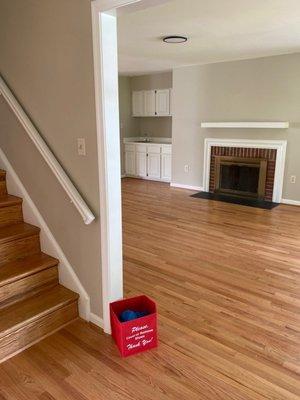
x=96, y=320
x=291, y=202
x=179, y=185
x=49, y=245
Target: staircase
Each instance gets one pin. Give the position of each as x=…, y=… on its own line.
x=32, y=302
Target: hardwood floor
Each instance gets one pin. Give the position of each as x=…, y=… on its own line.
x=227, y=282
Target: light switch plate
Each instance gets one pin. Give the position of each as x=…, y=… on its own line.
x=81, y=147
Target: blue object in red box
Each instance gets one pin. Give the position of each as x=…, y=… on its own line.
x=129, y=315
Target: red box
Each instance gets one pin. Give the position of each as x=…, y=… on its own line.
x=138, y=335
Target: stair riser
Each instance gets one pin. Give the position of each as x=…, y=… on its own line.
x=25, y=337
x=11, y=215
x=36, y=282
x=3, y=190
x=19, y=248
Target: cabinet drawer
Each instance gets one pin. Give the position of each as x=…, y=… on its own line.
x=154, y=148
x=141, y=148
x=166, y=149
x=129, y=147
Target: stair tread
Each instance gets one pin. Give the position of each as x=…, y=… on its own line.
x=18, y=269
x=16, y=231
x=31, y=309
x=9, y=200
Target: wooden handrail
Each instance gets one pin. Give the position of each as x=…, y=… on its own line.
x=47, y=154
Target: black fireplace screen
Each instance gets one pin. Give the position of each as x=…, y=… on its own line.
x=241, y=178
x=244, y=177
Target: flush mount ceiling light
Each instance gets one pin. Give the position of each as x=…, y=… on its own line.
x=175, y=39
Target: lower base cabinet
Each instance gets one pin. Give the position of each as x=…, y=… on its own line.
x=166, y=167
x=152, y=161
x=130, y=162
x=141, y=165
x=153, y=166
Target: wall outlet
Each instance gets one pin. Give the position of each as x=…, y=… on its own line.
x=293, y=178
x=81, y=147
x=187, y=168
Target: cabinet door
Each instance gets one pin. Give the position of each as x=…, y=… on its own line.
x=163, y=102
x=129, y=162
x=149, y=99
x=166, y=167
x=153, y=165
x=141, y=164
x=138, y=103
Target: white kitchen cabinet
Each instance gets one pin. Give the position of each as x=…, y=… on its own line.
x=149, y=161
x=149, y=102
x=153, y=166
x=166, y=167
x=138, y=103
x=141, y=164
x=162, y=105
x=130, y=163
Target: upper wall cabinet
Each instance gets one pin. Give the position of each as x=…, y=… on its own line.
x=162, y=102
x=138, y=104
x=151, y=103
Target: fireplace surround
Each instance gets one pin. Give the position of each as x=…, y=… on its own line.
x=269, y=154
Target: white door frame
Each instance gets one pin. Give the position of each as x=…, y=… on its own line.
x=108, y=143
x=104, y=22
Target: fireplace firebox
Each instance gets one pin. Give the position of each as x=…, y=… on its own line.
x=243, y=177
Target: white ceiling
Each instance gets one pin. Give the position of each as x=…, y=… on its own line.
x=218, y=30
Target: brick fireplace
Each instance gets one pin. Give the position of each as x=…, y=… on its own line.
x=236, y=162
x=263, y=160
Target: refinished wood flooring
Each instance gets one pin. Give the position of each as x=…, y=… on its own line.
x=227, y=282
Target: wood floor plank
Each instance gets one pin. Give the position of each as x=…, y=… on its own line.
x=226, y=279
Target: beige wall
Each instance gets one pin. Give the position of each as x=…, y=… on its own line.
x=148, y=126
x=265, y=89
x=161, y=80
x=46, y=59
x=129, y=125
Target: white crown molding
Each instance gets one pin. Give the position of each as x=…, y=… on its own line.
x=279, y=145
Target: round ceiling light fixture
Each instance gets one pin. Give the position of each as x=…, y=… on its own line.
x=175, y=39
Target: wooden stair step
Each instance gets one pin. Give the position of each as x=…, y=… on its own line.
x=18, y=315
x=19, y=269
x=18, y=241
x=3, y=190
x=9, y=200
x=28, y=321
x=17, y=231
x=32, y=303
x=26, y=277
x=10, y=210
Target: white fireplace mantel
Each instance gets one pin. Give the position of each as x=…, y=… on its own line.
x=247, y=125
x=279, y=145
